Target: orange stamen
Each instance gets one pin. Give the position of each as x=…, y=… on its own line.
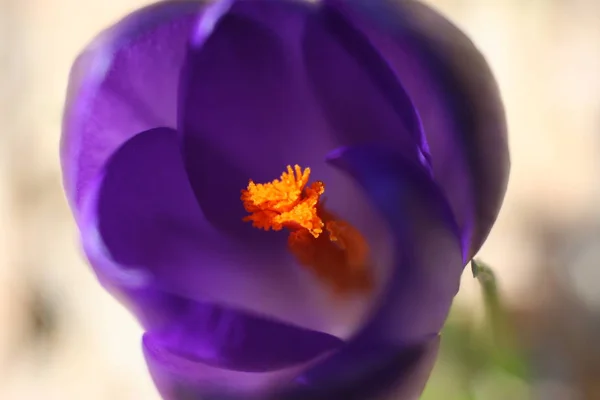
x=338, y=255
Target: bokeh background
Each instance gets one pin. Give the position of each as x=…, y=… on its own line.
x=62, y=337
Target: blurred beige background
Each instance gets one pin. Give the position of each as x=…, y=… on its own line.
x=62, y=337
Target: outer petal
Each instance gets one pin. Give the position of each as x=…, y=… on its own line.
x=425, y=279
x=142, y=232
x=125, y=82
x=457, y=99
x=403, y=375
x=180, y=377
x=428, y=253
x=373, y=373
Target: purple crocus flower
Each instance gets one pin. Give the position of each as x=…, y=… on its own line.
x=331, y=283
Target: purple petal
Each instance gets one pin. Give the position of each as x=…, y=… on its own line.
x=180, y=377
x=144, y=227
x=227, y=338
x=428, y=252
x=397, y=372
x=457, y=98
x=248, y=107
x=124, y=82
x=143, y=235
x=371, y=372
x=358, y=91
x=243, y=112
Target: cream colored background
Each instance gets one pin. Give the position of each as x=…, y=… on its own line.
x=546, y=54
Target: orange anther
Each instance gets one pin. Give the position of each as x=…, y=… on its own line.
x=286, y=202
x=339, y=257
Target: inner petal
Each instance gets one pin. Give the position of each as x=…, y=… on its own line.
x=246, y=112
x=360, y=94
x=264, y=91
x=428, y=258
x=149, y=221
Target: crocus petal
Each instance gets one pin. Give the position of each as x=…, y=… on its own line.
x=125, y=82
x=149, y=227
x=179, y=376
x=398, y=372
x=372, y=372
x=249, y=109
x=428, y=252
x=360, y=94
x=457, y=98
x=145, y=228
x=231, y=339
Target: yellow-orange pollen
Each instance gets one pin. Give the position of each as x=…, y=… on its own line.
x=332, y=249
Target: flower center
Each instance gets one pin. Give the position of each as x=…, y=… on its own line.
x=332, y=249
